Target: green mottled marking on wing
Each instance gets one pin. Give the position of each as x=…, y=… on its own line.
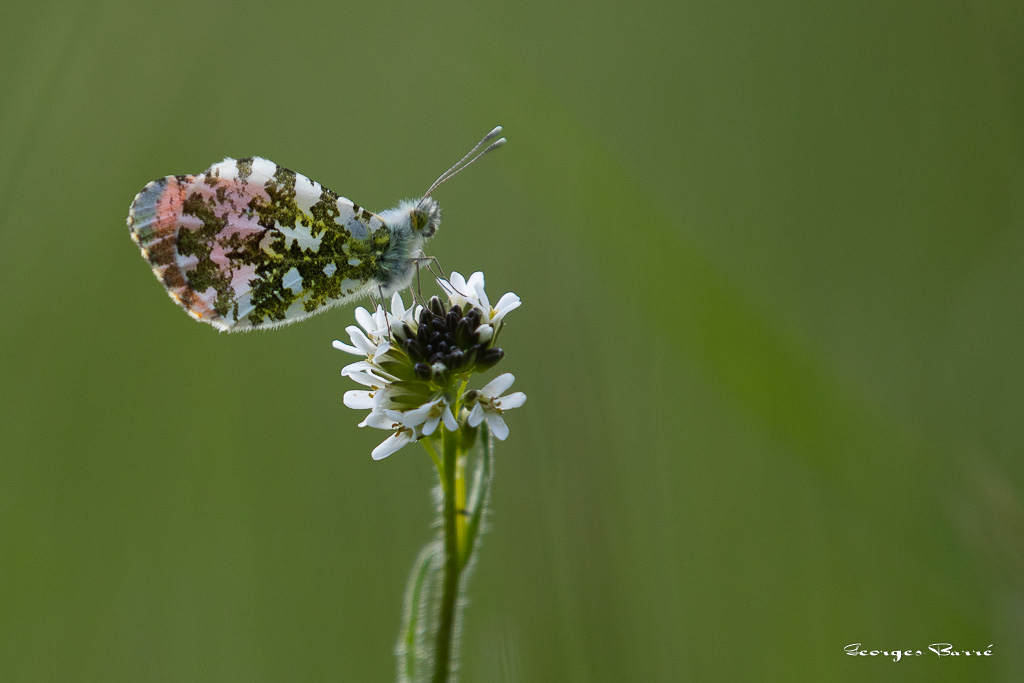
x=282, y=209
x=272, y=254
x=199, y=243
x=244, y=169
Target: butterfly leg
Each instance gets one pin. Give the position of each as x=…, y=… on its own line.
x=418, y=260
x=417, y=294
x=432, y=261
x=384, y=308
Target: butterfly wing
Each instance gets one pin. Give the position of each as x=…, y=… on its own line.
x=248, y=244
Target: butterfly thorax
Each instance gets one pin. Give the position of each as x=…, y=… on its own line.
x=411, y=223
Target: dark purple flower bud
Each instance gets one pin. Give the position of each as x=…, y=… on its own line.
x=464, y=332
x=452, y=320
x=490, y=357
x=413, y=349
x=456, y=359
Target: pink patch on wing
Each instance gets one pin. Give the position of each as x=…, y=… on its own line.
x=169, y=203
x=240, y=223
x=157, y=217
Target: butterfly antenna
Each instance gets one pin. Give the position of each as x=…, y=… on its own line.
x=462, y=164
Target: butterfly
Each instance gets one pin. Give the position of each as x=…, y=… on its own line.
x=248, y=244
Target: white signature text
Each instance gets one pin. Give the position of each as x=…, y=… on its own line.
x=940, y=649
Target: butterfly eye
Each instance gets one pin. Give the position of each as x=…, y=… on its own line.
x=418, y=219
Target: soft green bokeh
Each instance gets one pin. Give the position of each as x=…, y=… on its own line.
x=771, y=259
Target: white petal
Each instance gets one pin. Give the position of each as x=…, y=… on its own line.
x=411, y=418
x=378, y=419
x=346, y=348
x=397, y=305
x=366, y=379
x=391, y=444
x=360, y=340
x=409, y=318
x=476, y=415
x=458, y=282
x=498, y=426
x=449, y=420
x=430, y=426
x=370, y=375
x=384, y=419
x=476, y=280
x=460, y=292
x=506, y=305
x=481, y=296
x=498, y=385
x=452, y=287
x=508, y=302
x=366, y=320
x=358, y=366
x=358, y=400
x=513, y=400
x=382, y=348
x=484, y=333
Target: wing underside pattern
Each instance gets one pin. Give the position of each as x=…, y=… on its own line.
x=249, y=244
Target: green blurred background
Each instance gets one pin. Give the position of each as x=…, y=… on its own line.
x=770, y=256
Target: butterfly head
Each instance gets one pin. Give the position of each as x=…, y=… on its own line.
x=425, y=217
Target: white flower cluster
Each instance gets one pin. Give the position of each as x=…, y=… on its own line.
x=415, y=362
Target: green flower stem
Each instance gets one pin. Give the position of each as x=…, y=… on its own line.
x=460, y=481
x=460, y=502
x=452, y=565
